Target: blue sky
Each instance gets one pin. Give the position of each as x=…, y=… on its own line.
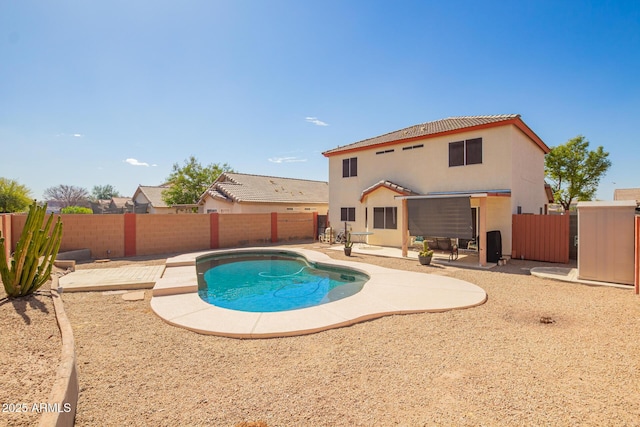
x=116, y=92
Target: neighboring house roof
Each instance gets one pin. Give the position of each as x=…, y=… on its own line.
x=627, y=194
x=121, y=202
x=153, y=194
x=450, y=125
x=389, y=185
x=238, y=187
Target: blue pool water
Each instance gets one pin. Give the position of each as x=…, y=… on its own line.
x=272, y=281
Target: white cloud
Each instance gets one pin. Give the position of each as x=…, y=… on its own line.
x=315, y=121
x=135, y=162
x=286, y=159
x=75, y=135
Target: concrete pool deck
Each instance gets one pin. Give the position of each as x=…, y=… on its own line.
x=175, y=300
x=112, y=279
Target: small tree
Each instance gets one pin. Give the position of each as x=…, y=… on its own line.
x=67, y=195
x=104, y=192
x=14, y=197
x=189, y=182
x=35, y=253
x=574, y=171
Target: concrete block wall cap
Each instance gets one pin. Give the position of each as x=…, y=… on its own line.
x=65, y=387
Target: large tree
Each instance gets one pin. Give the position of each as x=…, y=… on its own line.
x=189, y=181
x=14, y=197
x=67, y=195
x=575, y=171
x=104, y=192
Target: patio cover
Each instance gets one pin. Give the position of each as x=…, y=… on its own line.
x=441, y=217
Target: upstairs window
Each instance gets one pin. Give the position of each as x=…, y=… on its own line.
x=468, y=152
x=350, y=167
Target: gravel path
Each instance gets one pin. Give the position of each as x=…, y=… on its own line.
x=496, y=364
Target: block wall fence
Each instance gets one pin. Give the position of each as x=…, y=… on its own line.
x=127, y=235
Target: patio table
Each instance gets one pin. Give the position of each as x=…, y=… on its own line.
x=359, y=236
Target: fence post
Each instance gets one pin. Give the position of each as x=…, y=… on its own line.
x=274, y=227
x=5, y=226
x=214, y=230
x=637, y=263
x=315, y=226
x=129, y=234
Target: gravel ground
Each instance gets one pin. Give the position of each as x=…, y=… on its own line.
x=495, y=364
x=30, y=354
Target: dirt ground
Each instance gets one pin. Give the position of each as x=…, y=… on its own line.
x=496, y=364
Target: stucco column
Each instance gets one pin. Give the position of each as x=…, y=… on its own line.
x=405, y=228
x=482, y=244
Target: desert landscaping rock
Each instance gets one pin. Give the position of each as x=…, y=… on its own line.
x=496, y=364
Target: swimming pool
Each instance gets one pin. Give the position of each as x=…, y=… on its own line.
x=271, y=281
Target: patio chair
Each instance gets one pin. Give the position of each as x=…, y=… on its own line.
x=326, y=236
x=473, y=244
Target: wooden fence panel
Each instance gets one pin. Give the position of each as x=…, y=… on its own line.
x=541, y=238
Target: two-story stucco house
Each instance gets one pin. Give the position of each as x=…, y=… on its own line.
x=458, y=177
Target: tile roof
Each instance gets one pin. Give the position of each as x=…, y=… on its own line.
x=121, y=202
x=387, y=184
x=153, y=195
x=443, y=126
x=240, y=188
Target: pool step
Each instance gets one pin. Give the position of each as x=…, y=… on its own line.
x=176, y=280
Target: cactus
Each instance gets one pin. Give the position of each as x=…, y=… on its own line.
x=348, y=243
x=32, y=262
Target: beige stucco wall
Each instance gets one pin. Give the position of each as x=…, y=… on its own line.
x=527, y=174
x=227, y=207
x=511, y=161
x=381, y=198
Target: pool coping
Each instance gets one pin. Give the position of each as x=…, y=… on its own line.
x=388, y=291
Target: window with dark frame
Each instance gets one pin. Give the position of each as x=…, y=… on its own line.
x=473, y=151
x=350, y=167
x=348, y=214
x=385, y=218
x=468, y=152
x=456, y=153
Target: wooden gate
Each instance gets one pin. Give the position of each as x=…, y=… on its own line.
x=541, y=238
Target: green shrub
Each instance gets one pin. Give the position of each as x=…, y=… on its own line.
x=31, y=265
x=76, y=210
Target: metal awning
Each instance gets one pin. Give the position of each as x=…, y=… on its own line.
x=475, y=194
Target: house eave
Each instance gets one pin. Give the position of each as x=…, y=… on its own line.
x=447, y=194
x=517, y=122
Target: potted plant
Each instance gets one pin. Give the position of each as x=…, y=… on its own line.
x=348, y=244
x=425, y=254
